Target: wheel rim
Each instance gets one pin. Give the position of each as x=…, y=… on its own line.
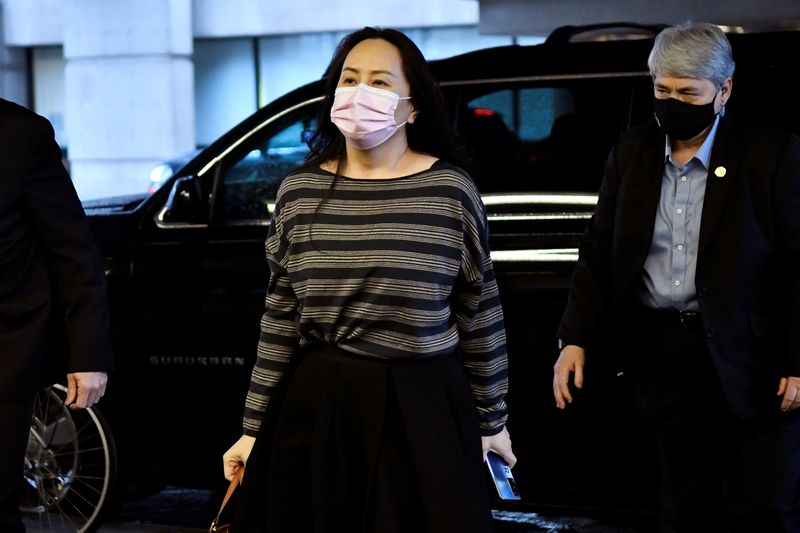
x=67, y=466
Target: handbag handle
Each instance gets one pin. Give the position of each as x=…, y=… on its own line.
x=235, y=482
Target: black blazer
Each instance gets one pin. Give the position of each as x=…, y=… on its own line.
x=53, y=308
x=748, y=265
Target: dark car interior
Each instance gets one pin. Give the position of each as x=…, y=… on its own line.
x=545, y=138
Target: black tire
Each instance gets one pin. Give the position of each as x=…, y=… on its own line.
x=70, y=467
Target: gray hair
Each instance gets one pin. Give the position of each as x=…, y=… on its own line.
x=696, y=50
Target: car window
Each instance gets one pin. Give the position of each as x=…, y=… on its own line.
x=544, y=138
x=250, y=183
x=528, y=112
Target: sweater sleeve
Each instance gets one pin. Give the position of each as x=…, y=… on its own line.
x=279, y=338
x=479, y=316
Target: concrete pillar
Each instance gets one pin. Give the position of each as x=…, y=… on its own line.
x=13, y=67
x=129, y=90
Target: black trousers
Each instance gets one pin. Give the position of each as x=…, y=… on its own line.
x=719, y=473
x=15, y=423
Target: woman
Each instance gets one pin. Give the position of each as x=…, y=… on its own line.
x=382, y=353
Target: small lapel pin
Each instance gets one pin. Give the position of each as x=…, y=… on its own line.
x=720, y=172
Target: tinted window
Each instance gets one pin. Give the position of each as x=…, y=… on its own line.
x=250, y=183
x=553, y=137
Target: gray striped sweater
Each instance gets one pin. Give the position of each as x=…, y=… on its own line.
x=389, y=268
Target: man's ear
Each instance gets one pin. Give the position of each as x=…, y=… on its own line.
x=725, y=90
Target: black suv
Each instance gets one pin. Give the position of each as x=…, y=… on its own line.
x=187, y=274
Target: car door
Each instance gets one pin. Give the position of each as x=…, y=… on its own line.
x=200, y=281
x=539, y=147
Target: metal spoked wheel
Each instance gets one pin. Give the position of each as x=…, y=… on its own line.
x=70, y=467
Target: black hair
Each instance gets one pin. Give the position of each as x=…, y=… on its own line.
x=430, y=133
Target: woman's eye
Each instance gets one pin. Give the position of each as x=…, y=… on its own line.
x=378, y=82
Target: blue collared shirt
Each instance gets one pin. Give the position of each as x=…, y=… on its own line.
x=669, y=269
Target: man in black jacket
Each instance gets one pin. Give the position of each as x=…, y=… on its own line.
x=694, y=254
x=53, y=309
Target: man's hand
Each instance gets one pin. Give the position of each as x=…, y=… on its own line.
x=789, y=388
x=501, y=445
x=84, y=389
x=571, y=359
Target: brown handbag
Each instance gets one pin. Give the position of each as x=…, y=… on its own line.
x=216, y=527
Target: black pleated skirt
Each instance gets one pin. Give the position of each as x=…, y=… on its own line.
x=363, y=445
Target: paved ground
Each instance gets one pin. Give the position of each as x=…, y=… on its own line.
x=190, y=511
x=176, y=510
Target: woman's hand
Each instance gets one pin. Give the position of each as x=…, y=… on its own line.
x=501, y=445
x=237, y=455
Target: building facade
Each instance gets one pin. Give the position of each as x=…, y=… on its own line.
x=129, y=84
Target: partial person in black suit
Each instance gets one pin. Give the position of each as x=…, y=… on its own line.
x=53, y=308
x=692, y=259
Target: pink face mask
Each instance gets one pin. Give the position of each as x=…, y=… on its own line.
x=365, y=115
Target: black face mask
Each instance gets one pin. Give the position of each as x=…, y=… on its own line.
x=682, y=121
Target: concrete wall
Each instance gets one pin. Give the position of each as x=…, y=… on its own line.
x=225, y=18
x=33, y=22
x=42, y=22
